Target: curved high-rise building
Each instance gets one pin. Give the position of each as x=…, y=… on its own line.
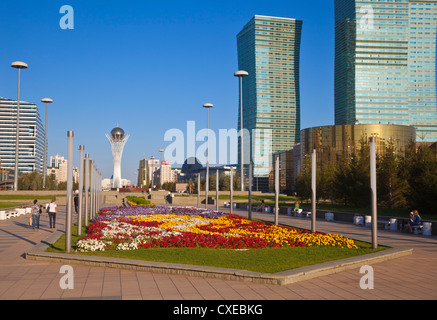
x=269, y=50
x=117, y=139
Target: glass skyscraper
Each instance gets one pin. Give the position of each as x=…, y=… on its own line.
x=269, y=50
x=385, y=64
x=31, y=137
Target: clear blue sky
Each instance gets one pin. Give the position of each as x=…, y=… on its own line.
x=149, y=66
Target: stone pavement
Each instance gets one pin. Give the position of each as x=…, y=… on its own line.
x=413, y=277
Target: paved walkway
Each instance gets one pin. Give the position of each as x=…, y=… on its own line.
x=410, y=277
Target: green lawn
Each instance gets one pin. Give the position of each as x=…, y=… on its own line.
x=29, y=197
x=5, y=205
x=269, y=260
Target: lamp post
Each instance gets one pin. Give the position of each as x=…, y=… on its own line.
x=87, y=181
x=46, y=101
x=313, y=190
x=207, y=106
x=17, y=65
x=373, y=187
x=241, y=74
x=68, y=222
x=81, y=183
x=160, y=166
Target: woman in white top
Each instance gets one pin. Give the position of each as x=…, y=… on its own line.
x=52, y=210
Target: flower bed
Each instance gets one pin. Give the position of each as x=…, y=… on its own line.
x=131, y=228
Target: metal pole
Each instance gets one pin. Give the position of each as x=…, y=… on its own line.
x=217, y=190
x=373, y=192
x=81, y=179
x=68, y=220
x=313, y=190
x=277, y=191
x=96, y=183
x=92, y=189
x=207, y=159
x=99, y=190
x=198, y=190
x=250, y=190
x=87, y=176
x=45, y=153
x=231, y=188
x=241, y=135
x=17, y=135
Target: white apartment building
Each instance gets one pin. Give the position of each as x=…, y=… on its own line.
x=31, y=136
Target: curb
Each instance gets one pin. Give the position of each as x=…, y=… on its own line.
x=38, y=253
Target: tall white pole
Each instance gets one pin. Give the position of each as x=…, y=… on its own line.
x=231, y=188
x=81, y=180
x=207, y=159
x=91, y=189
x=250, y=190
x=87, y=186
x=198, y=190
x=241, y=135
x=46, y=101
x=207, y=106
x=99, y=190
x=373, y=192
x=17, y=135
x=68, y=220
x=217, y=190
x=18, y=65
x=241, y=74
x=277, y=191
x=313, y=191
x=44, y=173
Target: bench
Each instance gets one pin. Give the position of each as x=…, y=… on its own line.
x=418, y=229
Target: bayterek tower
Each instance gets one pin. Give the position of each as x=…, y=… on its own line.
x=117, y=139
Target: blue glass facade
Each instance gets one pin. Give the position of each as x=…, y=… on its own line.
x=269, y=50
x=385, y=64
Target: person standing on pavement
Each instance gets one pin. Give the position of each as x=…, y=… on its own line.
x=52, y=211
x=76, y=203
x=36, y=211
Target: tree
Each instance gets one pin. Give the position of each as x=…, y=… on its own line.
x=391, y=185
x=420, y=171
x=51, y=183
x=303, y=181
x=352, y=177
x=30, y=181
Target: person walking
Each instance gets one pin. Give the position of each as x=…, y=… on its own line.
x=52, y=211
x=76, y=202
x=36, y=212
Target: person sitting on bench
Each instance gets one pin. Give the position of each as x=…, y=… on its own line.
x=414, y=220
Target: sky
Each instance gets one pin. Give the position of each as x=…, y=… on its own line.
x=148, y=67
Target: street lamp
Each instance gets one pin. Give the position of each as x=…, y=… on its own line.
x=241, y=74
x=17, y=65
x=160, y=166
x=207, y=106
x=46, y=101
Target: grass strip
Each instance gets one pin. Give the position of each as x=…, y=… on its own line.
x=29, y=197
